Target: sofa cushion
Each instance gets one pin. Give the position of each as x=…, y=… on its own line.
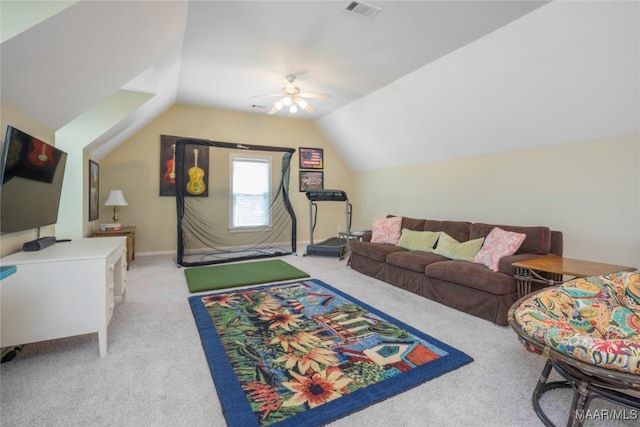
x=413, y=223
x=410, y=223
x=375, y=251
x=459, y=230
x=538, y=240
x=418, y=240
x=449, y=247
x=499, y=243
x=413, y=260
x=471, y=275
x=386, y=230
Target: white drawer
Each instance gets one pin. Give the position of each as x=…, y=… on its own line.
x=109, y=281
x=109, y=310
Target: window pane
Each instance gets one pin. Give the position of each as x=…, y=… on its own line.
x=251, y=181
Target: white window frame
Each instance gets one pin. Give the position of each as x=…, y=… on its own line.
x=253, y=159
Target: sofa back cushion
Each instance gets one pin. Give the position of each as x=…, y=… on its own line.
x=411, y=223
x=459, y=230
x=537, y=240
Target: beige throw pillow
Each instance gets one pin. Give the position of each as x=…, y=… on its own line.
x=418, y=240
x=451, y=248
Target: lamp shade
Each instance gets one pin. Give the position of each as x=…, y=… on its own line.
x=116, y=198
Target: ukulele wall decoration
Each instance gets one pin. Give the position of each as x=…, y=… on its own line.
x=195, y=185
x=193, y=169
x=170, y=174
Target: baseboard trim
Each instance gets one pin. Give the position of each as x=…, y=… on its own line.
x=299, y=245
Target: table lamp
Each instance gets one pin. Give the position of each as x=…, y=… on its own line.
x=115, y=199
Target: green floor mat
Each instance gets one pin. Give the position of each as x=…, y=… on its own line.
x=224, y=276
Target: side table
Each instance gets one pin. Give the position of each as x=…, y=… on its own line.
x=352, y=235
x=556, y=267
x=129, y=232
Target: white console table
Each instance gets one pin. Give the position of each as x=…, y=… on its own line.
x=63, y=290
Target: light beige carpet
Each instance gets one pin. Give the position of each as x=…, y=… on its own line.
x=155, y=373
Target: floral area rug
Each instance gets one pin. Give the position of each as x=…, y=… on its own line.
x=304, y=353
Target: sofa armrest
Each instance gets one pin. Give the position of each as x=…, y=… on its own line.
x=556, y=243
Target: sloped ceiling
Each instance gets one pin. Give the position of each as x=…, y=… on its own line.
x=389, y=77
x=567, y=72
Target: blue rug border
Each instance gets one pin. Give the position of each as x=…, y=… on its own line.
x=236, y=407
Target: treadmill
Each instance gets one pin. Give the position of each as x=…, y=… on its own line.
x=333, y=246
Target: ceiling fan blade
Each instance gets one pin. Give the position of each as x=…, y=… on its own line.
x=273, y=110
x=267, y=95
x=306, y=106
x=314, y=95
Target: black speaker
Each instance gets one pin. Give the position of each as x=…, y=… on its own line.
x=41, y=243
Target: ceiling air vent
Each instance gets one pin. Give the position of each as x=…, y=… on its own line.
x=361, y=9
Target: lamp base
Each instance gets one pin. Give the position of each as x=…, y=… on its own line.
x=115, y=215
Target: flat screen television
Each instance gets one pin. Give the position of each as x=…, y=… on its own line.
x=32, y=173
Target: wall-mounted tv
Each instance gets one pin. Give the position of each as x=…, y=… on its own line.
x=32, y=173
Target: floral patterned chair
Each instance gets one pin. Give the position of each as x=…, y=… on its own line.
x=589, y=331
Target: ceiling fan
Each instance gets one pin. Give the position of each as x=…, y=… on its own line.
x=291, y=97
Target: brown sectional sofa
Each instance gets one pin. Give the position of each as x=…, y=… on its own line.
x=464, y=285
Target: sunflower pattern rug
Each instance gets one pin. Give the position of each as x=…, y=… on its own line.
x=304, y=353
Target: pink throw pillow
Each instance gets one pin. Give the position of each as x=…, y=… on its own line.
x=386, y=230
x=499, y=243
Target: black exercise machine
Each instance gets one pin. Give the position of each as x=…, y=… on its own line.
x=333, y=246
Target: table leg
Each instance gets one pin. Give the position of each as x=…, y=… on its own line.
x=523, y=281
x=525, y=276
x=102, y=341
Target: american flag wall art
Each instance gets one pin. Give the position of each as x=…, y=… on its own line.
x=311, y=158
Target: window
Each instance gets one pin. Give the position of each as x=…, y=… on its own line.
x=250, y=191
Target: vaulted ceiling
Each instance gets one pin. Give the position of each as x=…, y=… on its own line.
x=115, y=65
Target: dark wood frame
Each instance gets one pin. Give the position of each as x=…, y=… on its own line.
x=308, y=164
x=94, y=190
x=306, y=176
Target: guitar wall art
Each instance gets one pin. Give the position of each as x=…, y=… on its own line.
x=31, y=158
x=195, y=169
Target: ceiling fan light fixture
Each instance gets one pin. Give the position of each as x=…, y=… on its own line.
x=293, y=98
x=302, y=103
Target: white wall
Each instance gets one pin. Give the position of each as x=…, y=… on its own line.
x=589, y=190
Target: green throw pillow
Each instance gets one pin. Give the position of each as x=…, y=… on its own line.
x=418, y=240
x=451, y=248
